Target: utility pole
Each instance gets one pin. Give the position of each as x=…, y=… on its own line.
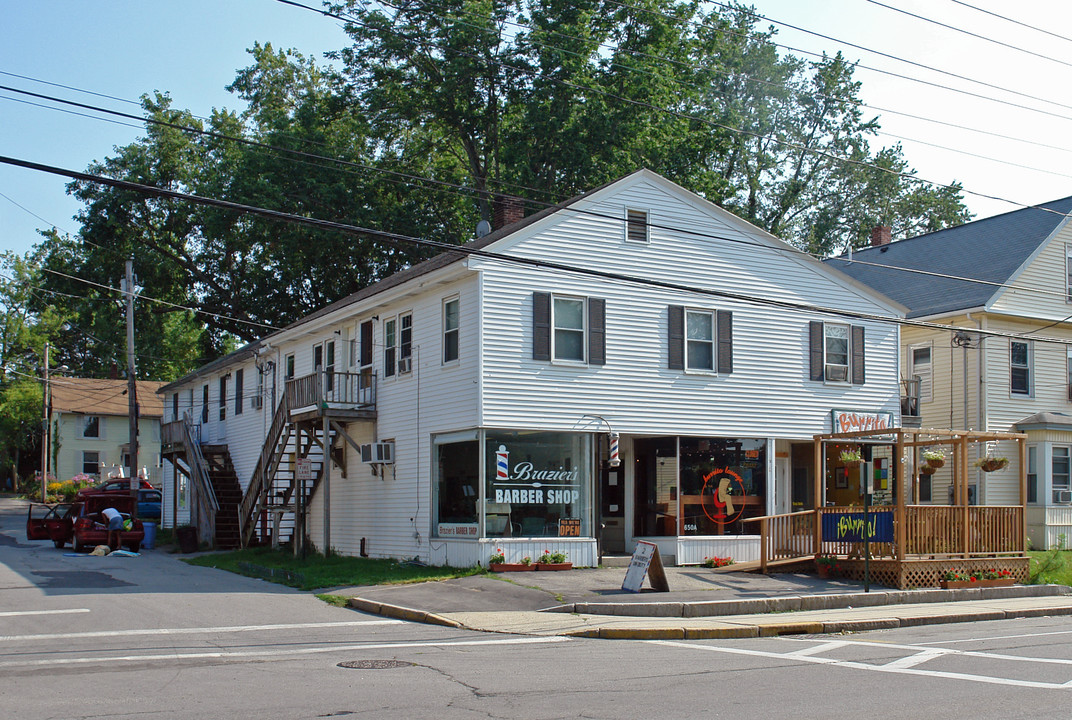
x=132, y=387
x=44, y=432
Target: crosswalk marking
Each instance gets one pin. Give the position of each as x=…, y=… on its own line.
x=17, y=613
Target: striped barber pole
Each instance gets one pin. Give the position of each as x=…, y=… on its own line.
x=615, y=461
x=502, y=463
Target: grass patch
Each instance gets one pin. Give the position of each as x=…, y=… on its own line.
x=336, y=600
x=1050, y=567
x=320, y=571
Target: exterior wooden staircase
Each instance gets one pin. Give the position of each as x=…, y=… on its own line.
x=228, y=492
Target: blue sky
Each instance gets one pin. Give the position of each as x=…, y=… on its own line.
x=192, y=49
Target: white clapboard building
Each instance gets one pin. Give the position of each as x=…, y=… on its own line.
x=634, y=363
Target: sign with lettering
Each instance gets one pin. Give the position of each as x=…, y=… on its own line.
x=526, y=484
x=303, y=469
x=852, y=421
x=645, y=561
x=851, y=527
x=569, y=527
x=462, y=530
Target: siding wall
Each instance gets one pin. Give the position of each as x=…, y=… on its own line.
x=114, y=434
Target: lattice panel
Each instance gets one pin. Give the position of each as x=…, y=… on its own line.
x=929, y=573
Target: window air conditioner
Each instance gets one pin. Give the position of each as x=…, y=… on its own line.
x=1063, y=496
x=404, y=365
x=256, y=402
x=378, y=453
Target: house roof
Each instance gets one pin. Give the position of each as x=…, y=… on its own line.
x=90, y=396
x=1045, y=421
x=445, y=258
x=991, y=250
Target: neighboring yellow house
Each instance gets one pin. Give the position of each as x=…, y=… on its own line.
x=1005, y=283
x=91, y=427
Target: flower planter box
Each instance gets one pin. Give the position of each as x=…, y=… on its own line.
x=553, y=566
x=959, y=584
x=511, y=567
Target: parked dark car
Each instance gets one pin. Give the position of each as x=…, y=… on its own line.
x=149, y=502
x=116, y=486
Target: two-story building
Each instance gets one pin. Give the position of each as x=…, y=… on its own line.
x=634, y=363
x=91, y=428
x=1005, y=284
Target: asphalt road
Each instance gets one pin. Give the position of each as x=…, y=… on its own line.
x=152, y=637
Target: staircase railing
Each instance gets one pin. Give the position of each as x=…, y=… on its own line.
x=267, y=463
x=205, y=502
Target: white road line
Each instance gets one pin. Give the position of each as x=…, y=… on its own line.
x=820, y=648
x=948, y=651
x=193, y=631
x=917, y=659
x=16, y=613
x=1001, y=637
x=224, y=655
x=865, y=666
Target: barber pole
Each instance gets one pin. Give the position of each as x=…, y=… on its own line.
x=502, y=464
x=614, y=461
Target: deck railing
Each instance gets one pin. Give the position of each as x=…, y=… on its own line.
x=334, y=388
x=784, y=537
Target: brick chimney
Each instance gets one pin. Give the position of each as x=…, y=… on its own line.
x=506, y=210
x=881, y=235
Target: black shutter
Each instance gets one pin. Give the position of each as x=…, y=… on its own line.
x=725, y=341
x=366, y=344
x=858, y=374
x=541, y=326
x=817, y=356
x=597, y=341
x=676, y=337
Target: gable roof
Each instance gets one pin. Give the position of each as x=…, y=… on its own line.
x=90, y=396
x=992, y=250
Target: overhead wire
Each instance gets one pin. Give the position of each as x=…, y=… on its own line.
x=1011, y=20
x=462, y=250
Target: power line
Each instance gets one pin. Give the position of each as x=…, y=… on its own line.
x=1015, y=22
x=460, y=251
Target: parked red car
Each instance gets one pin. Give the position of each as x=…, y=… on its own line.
x=116, y=486
x=82, y=525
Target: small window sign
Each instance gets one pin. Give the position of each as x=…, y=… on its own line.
x=569, y=527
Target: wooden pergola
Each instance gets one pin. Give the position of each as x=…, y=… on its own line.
x=928, y=540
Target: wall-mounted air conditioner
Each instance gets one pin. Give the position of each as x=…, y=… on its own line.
x=1062, y=496
x=404, y=365
x=256, y=402
x=382, y=453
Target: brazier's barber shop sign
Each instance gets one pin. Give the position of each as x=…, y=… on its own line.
x=526, y=484
x=855, y=527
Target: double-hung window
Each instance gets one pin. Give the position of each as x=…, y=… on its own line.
x=836, y=352
x=288, y=367
x=569, y=330
x=239, y=382
x=699, y=340
x=91, y=427
x=1032, y=473
x=405, y=343
x=450, y=330
x=1020, y=367
x=1060, y=472
x=390, y=338
x=91, y=462
x=223, y=397
x=921, y=366
x=204, y=404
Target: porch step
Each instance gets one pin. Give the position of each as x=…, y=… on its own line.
x=616, y=560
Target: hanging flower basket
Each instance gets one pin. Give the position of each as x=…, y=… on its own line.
x=990, y=464
x=934, y=458
x=851, y=457
x=927, y=469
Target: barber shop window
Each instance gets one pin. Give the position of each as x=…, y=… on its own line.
x=457, y=487
x=537, y=484
x=723, y=482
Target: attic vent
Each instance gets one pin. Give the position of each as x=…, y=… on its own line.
x=636, y=226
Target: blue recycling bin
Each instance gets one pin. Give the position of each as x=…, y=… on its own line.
x=149, y=541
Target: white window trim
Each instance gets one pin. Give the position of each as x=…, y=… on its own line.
x=1068, y=273
x=1052, y=487
x=584, y=331
x=1030, y=370
x=848, y=355
x=390, y=373
x=290, y=365
x=100, y=461
x=926, y=390
x=100, y=428
x=457, y=330
x=647, y=225
x=713, y=370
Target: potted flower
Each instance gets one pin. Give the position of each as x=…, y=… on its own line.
x=934, y=458
x=990, y=463
x=993, y=577
x=826, y=565
x=552, y=561
x=717, y=562
x=851, y=457
x=497, y=563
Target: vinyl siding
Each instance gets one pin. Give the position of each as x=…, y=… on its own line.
x=1045, y=271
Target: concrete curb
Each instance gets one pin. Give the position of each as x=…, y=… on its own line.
x=401, y=613
x=798, y=603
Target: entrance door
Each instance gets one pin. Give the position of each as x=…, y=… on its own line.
x=781, y=486
x=612, y=515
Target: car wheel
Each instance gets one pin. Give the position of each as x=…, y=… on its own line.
x=76, y=544
x=59, y=543
x=134, y=547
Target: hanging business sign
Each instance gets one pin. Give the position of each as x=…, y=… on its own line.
x=854, y=527
x=720, y=488
x=842, y=421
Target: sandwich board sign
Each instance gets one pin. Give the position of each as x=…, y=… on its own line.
x=645, y=561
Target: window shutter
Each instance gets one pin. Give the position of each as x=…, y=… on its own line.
x=725, y=341
x=858, y=374
x=366, y=343
x=541, y=326
x=817, y=355
x=676, y=338
x=597, y=342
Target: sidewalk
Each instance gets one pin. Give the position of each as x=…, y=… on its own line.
x=702, y=603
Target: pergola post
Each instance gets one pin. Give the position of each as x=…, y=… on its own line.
x=961, y=471
x=819, y=478
x=900, y=516
x=1022, y=447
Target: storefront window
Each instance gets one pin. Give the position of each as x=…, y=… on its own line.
x=537, y=484
x=457, y=485
x=723, y=482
